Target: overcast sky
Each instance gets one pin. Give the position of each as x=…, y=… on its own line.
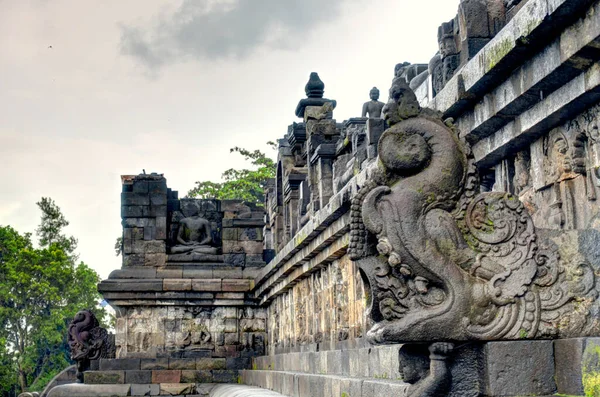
x=91, y=90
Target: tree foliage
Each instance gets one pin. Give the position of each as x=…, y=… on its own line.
x=41, y=289
x=244, y=184
x=52, y=223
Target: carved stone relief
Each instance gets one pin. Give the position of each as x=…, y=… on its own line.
x=88, y=341
x=427, y=376
x=564, y=173
x=449, y=262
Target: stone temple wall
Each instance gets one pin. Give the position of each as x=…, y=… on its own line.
x=325, y=308
x=524, y=99
x=462, y=229
x=184, y=292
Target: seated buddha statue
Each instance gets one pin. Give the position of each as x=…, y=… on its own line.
x=194, y=236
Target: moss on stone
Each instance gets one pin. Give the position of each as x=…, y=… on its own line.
x=495, y=53
x=523, y=333
x=591, y=371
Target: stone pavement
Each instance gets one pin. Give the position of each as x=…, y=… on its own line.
x=242, y=391
x=199, y=390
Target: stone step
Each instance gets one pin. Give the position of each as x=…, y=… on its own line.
x=136, y=390
x=479, y=368
x=242, y=391
x=299, y=384
x=219, y=291
x=188, y=271
x=379, y=362
x=165, y=370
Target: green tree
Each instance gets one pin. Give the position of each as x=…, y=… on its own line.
x=50, y=229
x=41, y=289
x=244, y=184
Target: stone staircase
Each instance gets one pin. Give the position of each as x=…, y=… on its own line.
x=476, y=369
x=184, y=377
x=361, y=372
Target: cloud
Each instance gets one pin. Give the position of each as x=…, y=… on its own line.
x=225, y=29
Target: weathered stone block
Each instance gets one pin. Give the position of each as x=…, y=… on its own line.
x=189, y=376
x=322, y=127
x=155, y=247
x=182, y=363
x=132, y=285
x=238, y=363
x=140, y=187
x=227, y=272
x=197, y=272
x=196, y=353
x=138, y=233
x=170, y=271
x=180, y=284
x=119, y=364
x=149, y=233
x=134, y=260
x=234, y=206
x=251, y=233
x=78, y=389
x=235, y=259
x=166, y=376
x=372, y=151
x=232, y=247
x=520, y=368
x=255, y=260
x=104, y=377
x=375, y=128
x=155, y=187
x=154, y=363
x=131, y=198
x=132, y=211
x=226, y=351
x=250, y=272
x=138, y=376
x=251, y=247
x=158, y=199
x=153, y=211
x=237, y=285
x=229, y=295
x=145, y=390
x=211, y=363
x=177, y=389
x=160, y=232
x=138, y=222
x=155, y=259
x=577, y=365
x=206, y=285
x=230, y=233
x=134, y=272
x=225, y=376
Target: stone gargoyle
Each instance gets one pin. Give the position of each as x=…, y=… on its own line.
x=88, y=341
x=446, y=262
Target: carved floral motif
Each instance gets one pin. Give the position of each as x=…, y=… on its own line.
x=444, y=261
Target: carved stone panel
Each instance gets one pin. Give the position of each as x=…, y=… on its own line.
x=447, y=262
